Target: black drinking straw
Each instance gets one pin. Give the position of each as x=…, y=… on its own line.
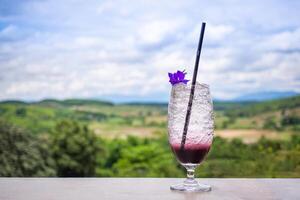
x=189, y=108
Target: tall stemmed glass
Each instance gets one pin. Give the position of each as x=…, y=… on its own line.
x=199, y=134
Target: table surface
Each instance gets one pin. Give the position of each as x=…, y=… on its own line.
x=144, y=189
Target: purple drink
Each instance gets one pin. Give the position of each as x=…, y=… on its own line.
x=199, y=133
x=192, y=153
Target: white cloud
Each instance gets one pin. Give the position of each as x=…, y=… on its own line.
x=157, y=30
x=285, y=40
x=215, y=33
x=116, y=48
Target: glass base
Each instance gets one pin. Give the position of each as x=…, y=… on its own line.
x=191, y=186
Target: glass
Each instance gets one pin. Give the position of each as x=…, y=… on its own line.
x=199, y=134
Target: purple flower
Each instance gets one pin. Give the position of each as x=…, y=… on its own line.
x=178, y=77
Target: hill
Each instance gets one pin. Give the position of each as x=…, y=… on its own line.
x=252, y=109
x=230, y=105
x=116, y=120
x=74, y=102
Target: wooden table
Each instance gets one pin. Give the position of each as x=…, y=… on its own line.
x=143, y=189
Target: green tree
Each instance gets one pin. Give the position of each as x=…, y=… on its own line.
x=142, y=157
x=75, y=149
x=22, y=154
x=270, y=123
x=290, y=120
x=147, y=160
x=21, y=112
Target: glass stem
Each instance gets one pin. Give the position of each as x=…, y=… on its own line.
x=190, y=180
x=190, y=173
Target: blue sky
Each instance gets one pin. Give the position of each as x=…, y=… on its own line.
x=122, y=50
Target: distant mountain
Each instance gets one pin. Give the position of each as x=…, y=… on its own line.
x=155, y=104
x=13, y=102
x=74, y=102
x=59, y=103
x=265, y=96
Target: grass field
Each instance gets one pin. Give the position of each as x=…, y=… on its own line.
x=253, y=135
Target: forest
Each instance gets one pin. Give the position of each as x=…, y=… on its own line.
x=91, y=138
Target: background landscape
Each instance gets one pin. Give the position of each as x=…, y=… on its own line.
x=77, y=137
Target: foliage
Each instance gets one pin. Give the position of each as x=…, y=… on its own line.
x=56, y=147
x=21, y=154
x=265, y=158
x=136, y=157
x=78, y=152
x=75, y=150
x=270, y=123
x=290, y=120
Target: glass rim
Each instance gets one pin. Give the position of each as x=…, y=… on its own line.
x=189, y=85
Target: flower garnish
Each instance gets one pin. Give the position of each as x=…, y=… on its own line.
x=177, y=77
